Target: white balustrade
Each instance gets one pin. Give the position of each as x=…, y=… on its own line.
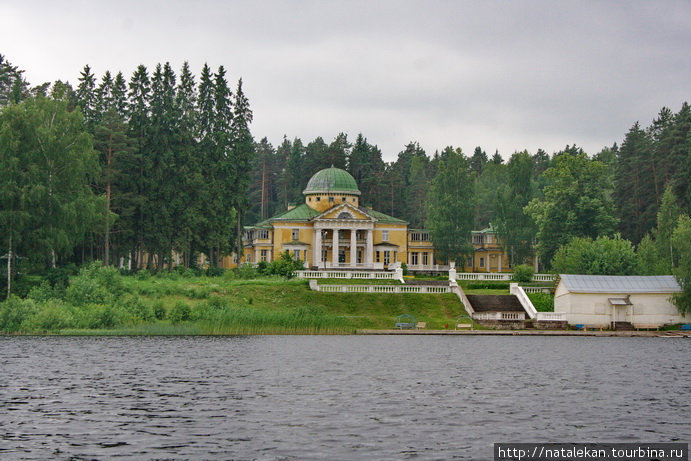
x=431, y=289
x=343, y=275
x=499, y=316
x=551, y=316
x=523, y=298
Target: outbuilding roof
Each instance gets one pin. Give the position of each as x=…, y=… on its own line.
x=620, y=283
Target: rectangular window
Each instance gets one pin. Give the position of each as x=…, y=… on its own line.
x=318, y=199
x=425, y=259
x=479, y=239
x=413, y=258
x=296, y=234
x=296, y=255
x=376, y=254
x=341, y=256
x=325, y=253
x=359, y=256
x=263, y=234
x=331, y=199
x=248, y=258
x=264, y=254
x=482, y=262
x=387, y=258
x=385, y=236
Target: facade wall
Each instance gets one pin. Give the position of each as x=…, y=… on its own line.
x=327, y=201
x=649, y=309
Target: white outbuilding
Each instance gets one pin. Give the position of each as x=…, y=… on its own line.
x=606, y=300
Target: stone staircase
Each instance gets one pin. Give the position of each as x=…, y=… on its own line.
x=623, y=326
x=495, y=303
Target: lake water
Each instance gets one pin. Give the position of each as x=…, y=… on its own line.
x=334, y=397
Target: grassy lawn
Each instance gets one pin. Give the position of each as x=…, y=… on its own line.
x=268, y=299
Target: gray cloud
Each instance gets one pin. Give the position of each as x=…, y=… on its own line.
x=503, y=75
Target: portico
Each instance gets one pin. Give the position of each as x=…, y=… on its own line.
x=346, y=240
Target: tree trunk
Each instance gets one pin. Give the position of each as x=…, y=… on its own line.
x=106, y=245
x=9, y=268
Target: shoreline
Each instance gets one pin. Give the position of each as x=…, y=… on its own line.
x=619, y=334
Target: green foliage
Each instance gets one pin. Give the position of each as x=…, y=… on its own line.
x=602, y=256
x=681, y=240
x=451, y=207
x=138, y=310
x=285, y=266
x=180, y=312
x=95, y=284
x=159, y=310
x=576, y=203
x=14, y=312
x=543, y=302
x=523, y=273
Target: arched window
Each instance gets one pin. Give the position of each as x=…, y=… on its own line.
x=345, y=215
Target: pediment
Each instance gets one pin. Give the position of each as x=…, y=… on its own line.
x=345, y=211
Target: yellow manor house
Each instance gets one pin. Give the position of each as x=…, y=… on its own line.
x=332, y=230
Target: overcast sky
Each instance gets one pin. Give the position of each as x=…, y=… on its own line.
x=506, y=75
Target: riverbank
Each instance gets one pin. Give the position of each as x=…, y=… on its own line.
x=573, y=333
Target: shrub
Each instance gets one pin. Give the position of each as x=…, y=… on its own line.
x=135, y=308
x=159, y=310
x=95, y=284
x=142, y=275
x=45, y=292
x=214, y=271
x=50, y=316
x=543, y=302
x=180, y=312
x=245, y=272
x=487, y=286
x=523, y=273
x=13, y=312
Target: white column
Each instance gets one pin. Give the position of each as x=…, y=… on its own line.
x=317, y=248
x=334, y=256
x=369, y=254
x=353, y=248
x=256, y=255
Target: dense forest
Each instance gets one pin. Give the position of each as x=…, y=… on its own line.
x=114, y=169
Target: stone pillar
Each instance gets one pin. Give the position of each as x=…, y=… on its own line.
x=256, y=255
x=317, y=248
x=353, y=248
x=334, y=255
x=369, y=253
x=452, y=271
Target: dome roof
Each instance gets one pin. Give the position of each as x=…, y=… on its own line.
x=331, y=180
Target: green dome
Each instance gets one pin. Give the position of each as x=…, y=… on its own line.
x=331, y=180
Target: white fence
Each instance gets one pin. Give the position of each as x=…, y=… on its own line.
x=499, y=316
x=428, y=267
x=502, y=276
x=537, y=289
x=380, y=288
x=551, y=316
x=344, y=275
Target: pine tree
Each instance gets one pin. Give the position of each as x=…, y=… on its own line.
x=138, y=122
x=86, y=97
x=451, y=207
x=242, y=155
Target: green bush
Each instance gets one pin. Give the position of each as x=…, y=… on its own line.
x=159, y=310
x=244, y=271
x=95, y=284
x=214, y=271
x=53, y=315
x=523, y=273
x=14, y=312
x=45, y=292
x=137, y=310
x=142, y=275
x=180, y=312
x=543, y=302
